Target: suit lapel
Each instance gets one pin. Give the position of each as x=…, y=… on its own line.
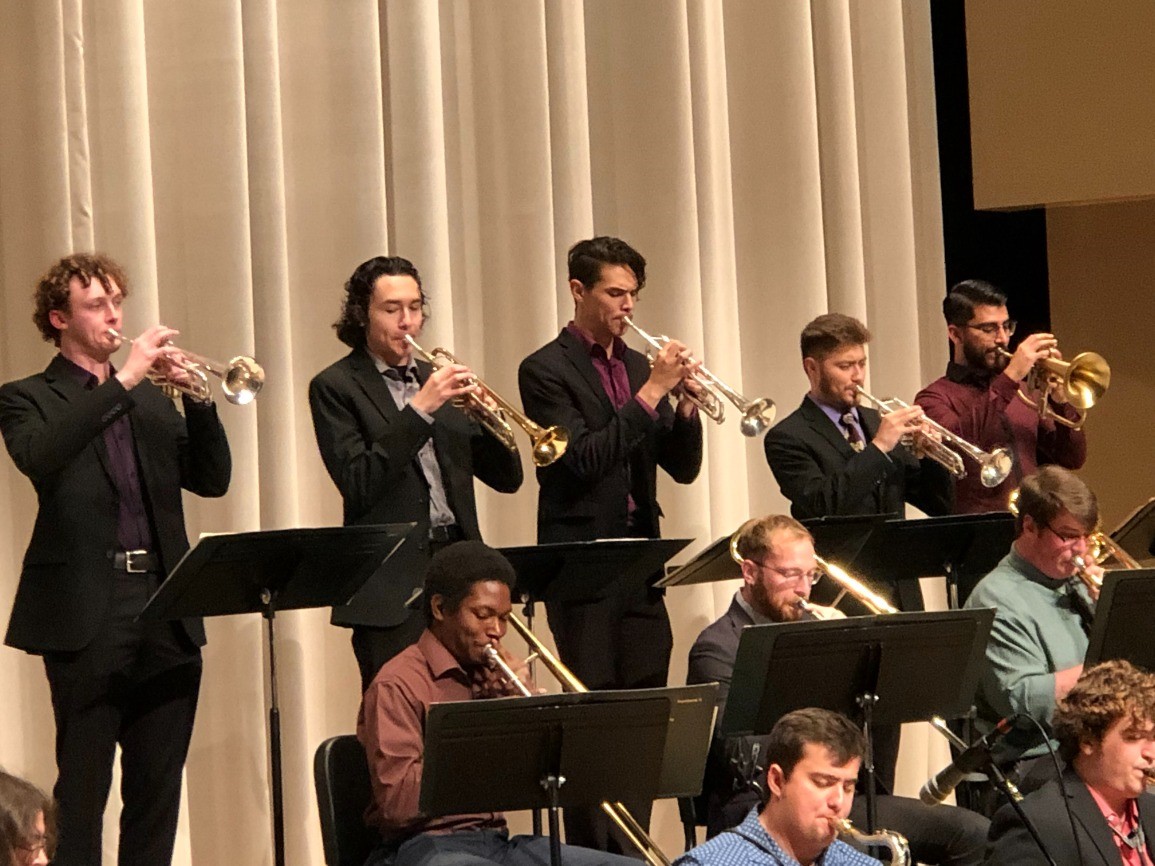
x=1087, y=813
x=60, y=379
x=365, y=374
x=825, y=428
x=576, y=354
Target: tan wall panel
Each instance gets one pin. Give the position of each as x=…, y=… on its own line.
x=1061, y=99
x=1102, y=262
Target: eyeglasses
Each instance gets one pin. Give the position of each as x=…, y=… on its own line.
x=991, y=329
x=1067, y=540
x=794, y=577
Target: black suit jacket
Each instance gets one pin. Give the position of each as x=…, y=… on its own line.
x=53, y=429
x=821, y=474
x=370, y=448
x=1011, y=844
x=611, y=453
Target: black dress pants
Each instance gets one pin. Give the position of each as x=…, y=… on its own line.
x=136, y=685
x=623, y=641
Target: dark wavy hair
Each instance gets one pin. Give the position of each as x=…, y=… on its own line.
x=794, y=730
x=350, y=327
x=829, y=333
x=52, y=290
x=586, y=259
x=958, y=307
x=1104, y=694
x=20, y=802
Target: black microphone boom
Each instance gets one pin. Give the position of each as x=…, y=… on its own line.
x=969, y=760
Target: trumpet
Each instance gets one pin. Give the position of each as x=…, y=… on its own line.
x=549, y=443
x=627, y=823
x=757, y=415
x=1086, y=378
x=994, y=466
x=896, y=842
x=241, y=378
x=848, y=584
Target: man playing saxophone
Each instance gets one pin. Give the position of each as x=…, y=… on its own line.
x=976, y=399
x=778, y=571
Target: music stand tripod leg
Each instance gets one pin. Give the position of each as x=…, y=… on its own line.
x=269, y=613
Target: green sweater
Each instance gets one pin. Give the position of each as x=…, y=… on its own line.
x=1037, y=631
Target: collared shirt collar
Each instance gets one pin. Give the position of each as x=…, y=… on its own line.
x=617, y=348
x=964, y=374
x=84, y=378
x=834, y=415
x=382, y=367
x=1018, y=562
x=440, y=660
x=754, y=615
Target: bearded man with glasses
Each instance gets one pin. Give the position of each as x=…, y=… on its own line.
x=1042, y=617
x=778, y=570
x=976, y=398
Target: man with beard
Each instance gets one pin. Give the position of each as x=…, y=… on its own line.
x=832, y=456
x=778, y=570
x=976, y=398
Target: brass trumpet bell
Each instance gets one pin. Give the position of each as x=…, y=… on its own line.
x=1085, y=378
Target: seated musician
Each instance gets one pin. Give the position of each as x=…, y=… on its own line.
x=466, y=604
x=1100, y=812
x=1042, y=616
x=813, y=757
x=778, y=570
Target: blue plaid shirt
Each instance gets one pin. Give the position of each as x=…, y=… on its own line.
x=750, y=845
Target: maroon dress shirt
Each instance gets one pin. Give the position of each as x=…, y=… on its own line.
x=985, y=411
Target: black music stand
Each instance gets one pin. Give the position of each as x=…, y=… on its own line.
x=862, y=667
x=1121, y=628
x=964, y=547
x=267, y=572
x=543, y=752
x=1136, y=535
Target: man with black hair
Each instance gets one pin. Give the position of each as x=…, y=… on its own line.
x=812, y=758
x=466, y=605
x=976, y=399
x=622, y=428
x=398, y=449
x=833, y=456
x=1100, y=812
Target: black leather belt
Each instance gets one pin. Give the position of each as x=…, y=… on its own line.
x=445, y=534
x=136, y=561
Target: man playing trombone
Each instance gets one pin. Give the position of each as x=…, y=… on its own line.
x=466, y=606
x=833, y=456
x=778, y=570
x=109, y=454
x=398, y=449
x=622, y=428
x=976, y=399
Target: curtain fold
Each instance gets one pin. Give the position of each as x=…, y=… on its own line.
x=772, y=161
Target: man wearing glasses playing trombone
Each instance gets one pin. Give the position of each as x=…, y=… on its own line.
x=976, y=399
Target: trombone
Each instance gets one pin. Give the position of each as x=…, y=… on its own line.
x=241, y=378
x=549, y=443
x=619, y=814
x=757, y=415
x=848, y=584
x=1086, y=378
x=994, y=466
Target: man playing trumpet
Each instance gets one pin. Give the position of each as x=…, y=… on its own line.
x=466, y=605
x=832, y=456
x=976, y=399
x=109, y=454
x=398, y=449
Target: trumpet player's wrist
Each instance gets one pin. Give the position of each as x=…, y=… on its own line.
x=651, y=396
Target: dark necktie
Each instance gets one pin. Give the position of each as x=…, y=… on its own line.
x=850, y=431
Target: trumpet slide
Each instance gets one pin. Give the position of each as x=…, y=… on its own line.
x=241, y=378
x=549, y=443
x=757, y=415
x=994, y=466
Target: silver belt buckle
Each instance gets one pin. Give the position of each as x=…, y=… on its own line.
x=130, y=561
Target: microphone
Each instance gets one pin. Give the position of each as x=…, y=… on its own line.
x=970, y=759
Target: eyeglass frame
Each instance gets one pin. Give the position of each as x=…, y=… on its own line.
x=1071, y=540
x=991, y=329
x=793, y=579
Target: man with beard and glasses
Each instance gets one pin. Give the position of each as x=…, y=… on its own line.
x=976, y=398
x=832, y=456
x=778, y=570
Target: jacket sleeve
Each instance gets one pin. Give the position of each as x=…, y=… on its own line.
x=205, y=459
x=364, y=470
x=929, y=486
x=592, y=454
x=680, y=448
x=493, y=463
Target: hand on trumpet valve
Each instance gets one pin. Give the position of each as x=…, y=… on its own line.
x=668, y=369
x=925, y=441
x=896, y=426
x=1031, y=350
x=149, y=351
x=489, y=681
x=1091, y=573
x=448, y=383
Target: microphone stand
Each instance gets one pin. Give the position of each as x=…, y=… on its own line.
x=1000, y=781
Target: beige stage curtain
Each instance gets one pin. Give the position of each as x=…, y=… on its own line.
x=773, y=159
